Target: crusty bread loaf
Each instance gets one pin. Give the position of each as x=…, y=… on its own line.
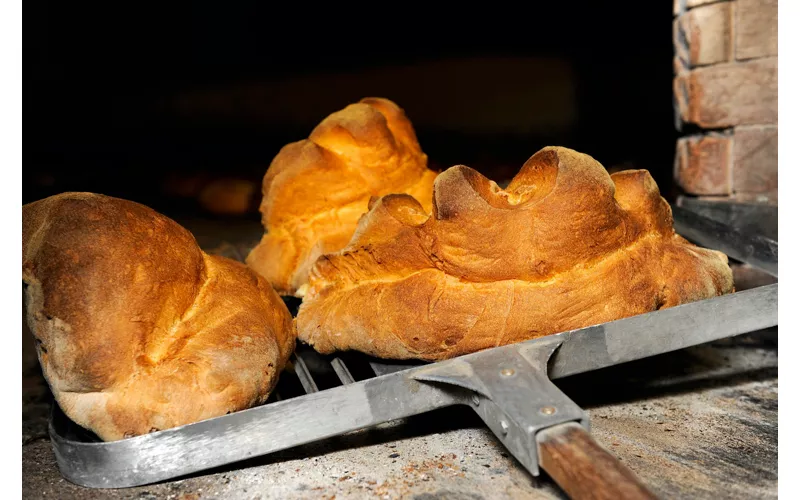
x=316, y=189
x=563, y=247
x=139, y=330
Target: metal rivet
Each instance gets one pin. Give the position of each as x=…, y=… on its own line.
x=476, y=400
x=547, y=410
x=504, y=426
x=507, y=372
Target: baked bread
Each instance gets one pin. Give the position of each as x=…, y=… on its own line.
x=316, y=189
x=137, y=329
x=564, y=246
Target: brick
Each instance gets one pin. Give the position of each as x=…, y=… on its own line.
x=704, y=35
x=725, y=95
x=755, y=160
x=702, y=164
x=756, y=28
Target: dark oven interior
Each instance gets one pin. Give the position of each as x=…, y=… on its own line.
x=154, y=104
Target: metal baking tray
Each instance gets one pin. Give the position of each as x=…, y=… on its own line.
x=319, y=397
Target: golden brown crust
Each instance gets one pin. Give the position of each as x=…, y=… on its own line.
x=316, y=189
x=138, y=329
x=563, y=247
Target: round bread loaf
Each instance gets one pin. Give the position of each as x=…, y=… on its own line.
x=137, y=329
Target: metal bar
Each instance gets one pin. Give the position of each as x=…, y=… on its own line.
x=665, y=330
x=301, y=369
x=342, y=372
x=211, y=443
x=756, y=250
x=385, y=367
x=750, y=218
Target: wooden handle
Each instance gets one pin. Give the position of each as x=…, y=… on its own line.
x=583, y=468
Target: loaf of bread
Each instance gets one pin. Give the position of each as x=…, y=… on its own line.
x=564, y=246
x=316, y=189
x=137, y=329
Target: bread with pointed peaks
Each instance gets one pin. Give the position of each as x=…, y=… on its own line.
x=564, y=246
x=316, y=189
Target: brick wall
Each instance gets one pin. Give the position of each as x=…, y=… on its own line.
x=726, y=98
